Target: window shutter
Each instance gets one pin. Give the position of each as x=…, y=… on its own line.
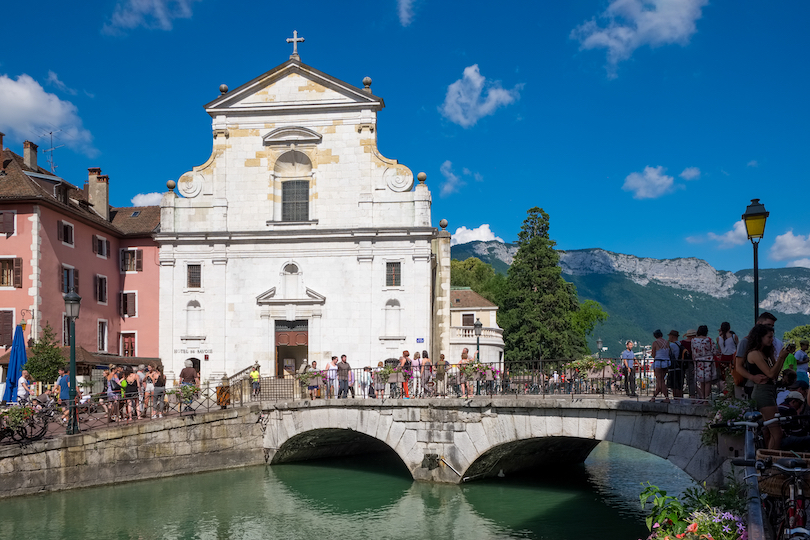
x=121, y=304
x=18, y=272
x=76, y=280
x=131, y=304
x=122, y=261
x=6, y=335
x=62, y=278
x=96, y=295
x=106, y=248
x=59, y=231
x=8, y=222
x=139, y=260
x=95, y=244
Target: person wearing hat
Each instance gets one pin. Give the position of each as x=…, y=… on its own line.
x=660, y=353
x=675, y=375
x=688, y=363
x=797, y=432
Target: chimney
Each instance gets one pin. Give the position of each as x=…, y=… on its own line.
x=30, y=154
x=2, y=156
x=98, y=192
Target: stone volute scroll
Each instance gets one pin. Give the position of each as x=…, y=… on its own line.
x=398, y=180
x=190, y=185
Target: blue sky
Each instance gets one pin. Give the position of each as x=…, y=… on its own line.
x=641, y=126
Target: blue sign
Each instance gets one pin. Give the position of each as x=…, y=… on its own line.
x=420, y=340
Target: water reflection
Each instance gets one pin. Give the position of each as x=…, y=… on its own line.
x=365, y=497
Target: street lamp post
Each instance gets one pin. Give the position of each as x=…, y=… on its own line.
x=72, y=303
x=599, y=355
x=754, y=218
x=477, y=326
x=599, y=346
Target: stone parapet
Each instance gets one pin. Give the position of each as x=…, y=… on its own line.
x=203, y=442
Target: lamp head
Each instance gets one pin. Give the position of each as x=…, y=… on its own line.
x=599, y=344
x=72, y=304
x=754, y=218
x=478, y=325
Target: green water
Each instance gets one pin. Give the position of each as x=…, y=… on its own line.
x=369, y=497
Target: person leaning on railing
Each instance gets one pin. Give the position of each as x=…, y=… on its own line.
x=765, y=368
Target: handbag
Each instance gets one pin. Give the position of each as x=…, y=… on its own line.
x=371, y=392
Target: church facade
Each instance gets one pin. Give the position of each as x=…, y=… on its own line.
x=297, y=240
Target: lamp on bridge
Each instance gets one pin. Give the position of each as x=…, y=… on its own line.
x=477, y=326
x=72, y=304
x=599, y=347
x=754, y=219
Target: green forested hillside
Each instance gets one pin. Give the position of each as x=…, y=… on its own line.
x=636, y=310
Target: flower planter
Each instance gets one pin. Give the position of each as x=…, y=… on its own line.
x=730, y=446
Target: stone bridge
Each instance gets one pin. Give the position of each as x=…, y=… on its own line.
x=455, y=440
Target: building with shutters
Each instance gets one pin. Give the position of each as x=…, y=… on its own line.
x=56, y=236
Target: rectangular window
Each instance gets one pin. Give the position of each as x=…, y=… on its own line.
x=194, y=276
x=127, y=304
x=131, y=260
x=101, y=246
x=6, y=328
x=102, y=336
x=468, y=319
x=64, y=232
x=69, y=278
x=128, y=344
x=295, y=200
x=100, y=289
x=393, y=274
x=65, y=330
x=7, y=223
x=11, y=272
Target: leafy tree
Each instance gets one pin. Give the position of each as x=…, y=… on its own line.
x=479, y=276
x=538, y=304
x=589, y=314
x=799, y=333
x=46, y=358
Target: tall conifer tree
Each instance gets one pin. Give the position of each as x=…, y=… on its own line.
x=538, y=303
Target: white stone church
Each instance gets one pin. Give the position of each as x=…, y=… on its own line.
x=297, y=240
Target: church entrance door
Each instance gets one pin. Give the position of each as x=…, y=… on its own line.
x=292, y=341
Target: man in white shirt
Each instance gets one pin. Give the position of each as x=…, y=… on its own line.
x=801, y=361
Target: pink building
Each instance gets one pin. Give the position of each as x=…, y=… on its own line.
x=56, y=236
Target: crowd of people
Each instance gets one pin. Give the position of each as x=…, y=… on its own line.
x=415, y=377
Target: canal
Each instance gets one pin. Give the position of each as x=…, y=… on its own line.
x=362, y=497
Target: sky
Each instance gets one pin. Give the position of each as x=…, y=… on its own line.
x=640, y=126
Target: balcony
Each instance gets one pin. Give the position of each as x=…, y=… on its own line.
x=464, y=336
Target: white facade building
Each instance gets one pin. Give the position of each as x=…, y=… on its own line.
x=297, y=240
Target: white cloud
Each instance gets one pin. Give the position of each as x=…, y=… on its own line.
x=405, y=11
x=803, y=263
x=152, y=14
x=147, y=199
x=790, y=246
x=53, y=80
x=452, y=181
x=735, y=237
x=465, y=102
x=690, y=173
x=650, y=184
x=29, y=110
x=630, y=24
x=482, y=233
x=752, y=163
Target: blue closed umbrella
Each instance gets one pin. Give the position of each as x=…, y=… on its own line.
x=16, y=363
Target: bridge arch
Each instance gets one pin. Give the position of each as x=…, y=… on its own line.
x=445, y=440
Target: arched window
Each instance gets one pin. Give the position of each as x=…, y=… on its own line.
x=194, y=326
x=294, y=170
x=392, y=318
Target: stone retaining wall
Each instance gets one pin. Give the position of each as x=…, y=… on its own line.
x=172, y=446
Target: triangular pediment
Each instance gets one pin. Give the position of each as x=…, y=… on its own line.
x=291, y=86
x=311, y=297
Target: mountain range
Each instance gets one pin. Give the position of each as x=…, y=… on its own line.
x=642, y=294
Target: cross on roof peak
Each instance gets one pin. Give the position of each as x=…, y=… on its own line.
x=295, y=40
